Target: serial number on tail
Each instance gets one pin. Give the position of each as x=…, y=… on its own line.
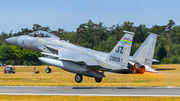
x=114, y=58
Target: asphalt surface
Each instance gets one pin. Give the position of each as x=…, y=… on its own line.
x=90, y=91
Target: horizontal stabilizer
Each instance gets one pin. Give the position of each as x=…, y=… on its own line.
x=165, y=69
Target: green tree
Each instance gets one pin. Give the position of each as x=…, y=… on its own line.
x=161, y=52
x=170, y=31
x=36, y=27
x=6, y=53
x=173, y=59
x=3, y=36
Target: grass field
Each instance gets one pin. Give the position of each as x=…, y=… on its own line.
x=83, y=98
x=25, y=77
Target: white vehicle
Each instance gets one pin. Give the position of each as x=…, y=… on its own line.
x=9, y=70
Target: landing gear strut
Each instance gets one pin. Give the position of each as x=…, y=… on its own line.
x=78, y=78
x=48, y=70
x=98, y=80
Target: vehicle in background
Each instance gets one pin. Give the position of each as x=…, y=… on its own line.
x=1, y=64
x=9, y=70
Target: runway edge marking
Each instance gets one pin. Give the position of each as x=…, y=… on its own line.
x=87, y=94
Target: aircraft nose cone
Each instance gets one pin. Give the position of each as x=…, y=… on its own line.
x=12, y=40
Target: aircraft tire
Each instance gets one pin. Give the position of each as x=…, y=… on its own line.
x=48, y=70
x=98, y=80
x=78, y=78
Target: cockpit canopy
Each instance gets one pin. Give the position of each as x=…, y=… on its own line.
x=43, y=34
x=40, y=34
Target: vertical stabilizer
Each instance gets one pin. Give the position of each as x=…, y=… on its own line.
x=119, y=56
x=144, y=54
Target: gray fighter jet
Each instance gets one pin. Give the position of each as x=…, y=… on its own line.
x=88, y=62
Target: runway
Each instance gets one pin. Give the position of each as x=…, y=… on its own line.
x=90, y=91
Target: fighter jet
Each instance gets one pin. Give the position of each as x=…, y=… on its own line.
x=88, y=62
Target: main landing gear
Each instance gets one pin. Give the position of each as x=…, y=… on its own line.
x=48, y=70
x=79, y=78
x=98, y=80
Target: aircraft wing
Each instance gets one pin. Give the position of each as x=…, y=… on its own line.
x=73, y=56
x=116, y=60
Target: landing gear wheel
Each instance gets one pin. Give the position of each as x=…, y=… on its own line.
x=48, y=70
x=98, y=80
x=78, y=78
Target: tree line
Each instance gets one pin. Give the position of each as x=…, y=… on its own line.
x=98, y=37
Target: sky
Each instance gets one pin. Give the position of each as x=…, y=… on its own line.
x=69, y=14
